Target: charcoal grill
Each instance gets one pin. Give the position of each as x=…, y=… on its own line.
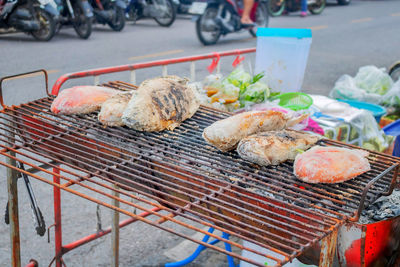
x=178, y=178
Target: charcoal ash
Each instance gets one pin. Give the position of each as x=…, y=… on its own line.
x=383, y=208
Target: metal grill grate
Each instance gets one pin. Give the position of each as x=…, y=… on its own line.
x=189, y=180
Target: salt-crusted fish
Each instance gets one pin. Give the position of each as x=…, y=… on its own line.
x=274, y=147
x=330, y=164
x=160, y=103
x=112, y=109
x=225, y=134
x=81, y=99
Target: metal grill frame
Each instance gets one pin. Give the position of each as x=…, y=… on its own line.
x=328, y=240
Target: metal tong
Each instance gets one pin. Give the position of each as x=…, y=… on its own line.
x=40, y=224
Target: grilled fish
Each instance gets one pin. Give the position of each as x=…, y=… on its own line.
x=225, y=134
x=112, y=109
x=274, y=147
x=330, y=164
x=81, y=99
x=160, y=103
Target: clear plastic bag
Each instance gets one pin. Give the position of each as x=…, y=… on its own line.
x=369, y=85
x=373, y=80
x=346, y=88
x=392, y=98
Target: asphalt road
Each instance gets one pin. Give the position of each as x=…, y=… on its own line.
x=344, y=39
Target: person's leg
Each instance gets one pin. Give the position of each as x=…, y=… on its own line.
x=303, y=8
x=247, y=6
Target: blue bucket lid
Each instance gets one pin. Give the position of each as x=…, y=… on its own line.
x=284, y=32
x=375, y=109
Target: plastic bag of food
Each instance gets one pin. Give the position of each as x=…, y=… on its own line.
x=392, y=98
x=238, y=76
x=363, y=126
x=257, y=92
x=212, y=78
x=373, y=80
x=346, y=88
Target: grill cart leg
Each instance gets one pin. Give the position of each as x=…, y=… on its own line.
x=115, y=231
x=13, y=207
x=57, y=218
x=328, y=248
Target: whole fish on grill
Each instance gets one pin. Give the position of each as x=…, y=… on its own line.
x=112, y=109
x=160, y=103
x=274, y=147
x=225, y=134
x=330, y=164
x=81, y=99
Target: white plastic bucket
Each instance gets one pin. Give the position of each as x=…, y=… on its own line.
x=282, y=55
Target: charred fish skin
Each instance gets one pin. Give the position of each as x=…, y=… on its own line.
x=159, y=104
x=112, y=109
x=274, y=147
x=225, y=134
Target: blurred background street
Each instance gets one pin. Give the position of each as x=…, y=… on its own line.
x=344, y=38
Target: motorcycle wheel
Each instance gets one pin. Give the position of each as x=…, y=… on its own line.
x=276, y=7
x=262, y=18
x=317, y=7
x=171, y=13
x=206, y=36
x=394, y=71
x=47, y=26
x=81, y=23
x=119, y=21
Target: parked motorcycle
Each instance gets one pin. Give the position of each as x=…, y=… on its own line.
x=183, y=6
x=220, y=17
x=276, y=7
x=77, y=13
x=35, y=17
x=162, y=11
x=111, y=12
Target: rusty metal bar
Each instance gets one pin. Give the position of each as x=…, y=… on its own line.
x=57, y=218
x=115, y=230
x=371, y=183
x=328, y=248
x=87, y=239
x=26, y=74
x=12, y=189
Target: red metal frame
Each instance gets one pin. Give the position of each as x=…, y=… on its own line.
x=96, y=72
x=60, y=249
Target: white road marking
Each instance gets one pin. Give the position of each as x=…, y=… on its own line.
x=171, y=52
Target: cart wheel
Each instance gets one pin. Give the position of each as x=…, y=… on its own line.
x=394, y=71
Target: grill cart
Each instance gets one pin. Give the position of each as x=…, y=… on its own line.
x=176, y=178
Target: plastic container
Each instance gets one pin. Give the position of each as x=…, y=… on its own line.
x=393, y=129
x=376, y=110
x=282, y=55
